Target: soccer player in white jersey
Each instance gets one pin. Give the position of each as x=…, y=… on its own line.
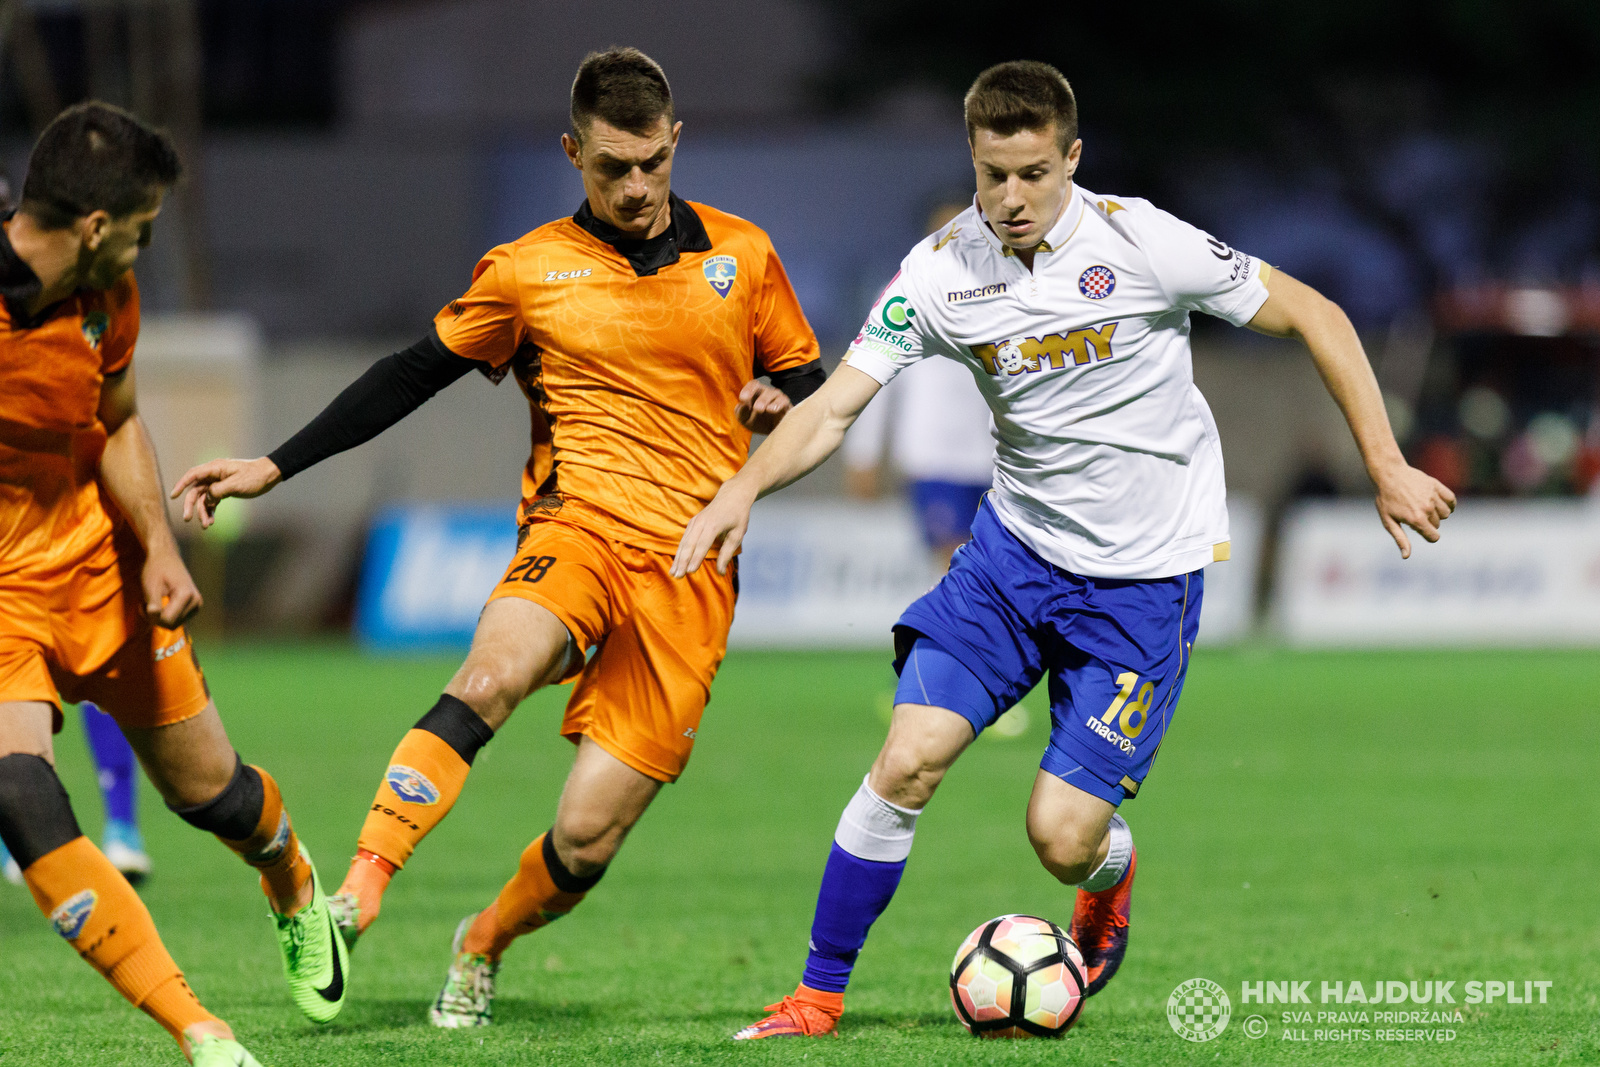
x=1071, y=309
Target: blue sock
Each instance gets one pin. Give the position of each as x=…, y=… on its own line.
x=115, y=762
x=854, y=893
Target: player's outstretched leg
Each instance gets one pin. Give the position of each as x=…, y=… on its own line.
x=601, y=801
x=206, y=784
x=1084, y=842
x=95, y=910
x=419, y=787
x=870, y=849
x=118, y=774
x=518, y=646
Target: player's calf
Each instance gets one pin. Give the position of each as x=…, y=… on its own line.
x=424, y=778
x=90, y=904
x=248, y=815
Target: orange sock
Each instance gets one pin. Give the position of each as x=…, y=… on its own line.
x=420, y=786
x=541, y=891
x=274, y=849
x=99, y=914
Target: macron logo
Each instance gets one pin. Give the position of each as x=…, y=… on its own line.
x=961, y=296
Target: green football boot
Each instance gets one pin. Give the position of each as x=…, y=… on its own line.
x=221, y=1052
x=315, y=960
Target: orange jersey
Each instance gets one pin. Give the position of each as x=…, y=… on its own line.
x=52, y=516
x=632, y=379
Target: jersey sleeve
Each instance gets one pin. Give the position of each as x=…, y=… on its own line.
x=784, y=339
x=1201, y=273
x=898, y=331
x=485, y=324
x=122, y=331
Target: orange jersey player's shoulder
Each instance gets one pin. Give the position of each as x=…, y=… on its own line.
x=53, y=366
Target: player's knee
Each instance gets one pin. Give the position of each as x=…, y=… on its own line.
x=492, y=688
x=587, y=844
x=905, y=774
x=1065, y=851
x=35, y=815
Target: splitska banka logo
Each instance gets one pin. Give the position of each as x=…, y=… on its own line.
x=1026, y=355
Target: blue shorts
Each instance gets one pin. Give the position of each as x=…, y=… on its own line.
x=946, y=510
x=1116, y=651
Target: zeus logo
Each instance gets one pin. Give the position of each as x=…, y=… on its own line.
x=1026, y=355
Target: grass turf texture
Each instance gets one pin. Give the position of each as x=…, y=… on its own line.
x=1314, y=816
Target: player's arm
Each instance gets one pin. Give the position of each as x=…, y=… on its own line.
x=129, y=473
x=391, y=389
x=1406, y=496
x=809, y=434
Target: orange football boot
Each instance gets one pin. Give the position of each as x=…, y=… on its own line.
x=1100, y=927
x=809, y=1013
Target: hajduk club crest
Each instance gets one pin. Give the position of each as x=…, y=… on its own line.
x=1097, y=282
x=720, y=272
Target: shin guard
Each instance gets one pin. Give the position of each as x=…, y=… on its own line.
x=424, y=777
x=96, y=911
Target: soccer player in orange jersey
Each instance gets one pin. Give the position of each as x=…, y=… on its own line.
x=637, y=328
x=93, y=592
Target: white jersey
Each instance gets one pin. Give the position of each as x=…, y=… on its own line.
x=1108, y=462
x=937, y=425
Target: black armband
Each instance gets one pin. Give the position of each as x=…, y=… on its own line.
x=391, y=389
x=798, y=383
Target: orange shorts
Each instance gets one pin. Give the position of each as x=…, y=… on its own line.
x=83, y=635
x=659, y=639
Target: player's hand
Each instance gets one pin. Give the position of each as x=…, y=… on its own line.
x=203, y=486
x=761, y=407
x=170, y=595
x=1408, y=497
x=724, y=521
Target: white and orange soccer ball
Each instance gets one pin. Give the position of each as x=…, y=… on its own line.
x=1017, y=976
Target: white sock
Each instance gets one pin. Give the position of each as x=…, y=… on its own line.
x=871, y=828
x=1118, y=854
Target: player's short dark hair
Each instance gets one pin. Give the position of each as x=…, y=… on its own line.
x=96, y=157
x=1023, y=94
x=624, y=87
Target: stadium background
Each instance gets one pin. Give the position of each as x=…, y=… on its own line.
x=1392, y=760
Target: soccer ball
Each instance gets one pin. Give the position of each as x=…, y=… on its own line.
x=1017, y=976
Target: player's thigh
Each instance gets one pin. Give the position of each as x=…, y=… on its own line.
x=642, y=696
x=602, y=799
x=26, y=727
x=556, y=600
x=29, y=709
x=1114, y=691
x=1065, y=823
x=518, y=646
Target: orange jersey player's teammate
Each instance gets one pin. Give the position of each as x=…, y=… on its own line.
x=93, y=592
x=637, y=329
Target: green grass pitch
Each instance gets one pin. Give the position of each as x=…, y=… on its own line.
x=1338, y=816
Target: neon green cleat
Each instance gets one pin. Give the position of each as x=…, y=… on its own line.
x=221, y=1052
x=315, y=960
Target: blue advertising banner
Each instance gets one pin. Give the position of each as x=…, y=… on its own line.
x=428, y=570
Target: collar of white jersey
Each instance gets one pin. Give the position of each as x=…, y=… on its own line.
x=1055, y=238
